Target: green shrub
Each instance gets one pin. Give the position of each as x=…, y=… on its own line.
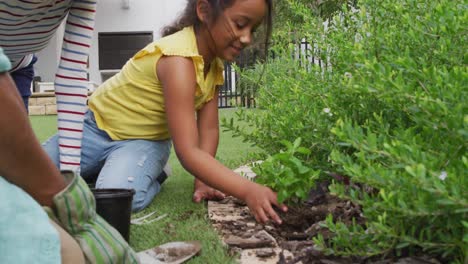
x=285, y=172
x=390, y=111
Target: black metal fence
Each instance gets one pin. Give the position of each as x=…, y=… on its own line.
x=309, y=55
x=230, y=94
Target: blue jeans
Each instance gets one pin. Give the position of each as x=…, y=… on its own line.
x=130, y=164
x=23, y=78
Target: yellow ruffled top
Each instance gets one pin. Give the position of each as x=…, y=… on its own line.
x=130, y=105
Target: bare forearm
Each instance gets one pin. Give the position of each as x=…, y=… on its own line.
x=207, y=169
x=22, y=159
x=208, y=142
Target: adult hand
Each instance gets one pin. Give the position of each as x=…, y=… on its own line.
x=205, y=192
x=260, y=199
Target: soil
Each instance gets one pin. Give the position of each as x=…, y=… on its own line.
x=170, y=253
x=291, y=241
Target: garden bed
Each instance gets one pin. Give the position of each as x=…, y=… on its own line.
x=290, y=242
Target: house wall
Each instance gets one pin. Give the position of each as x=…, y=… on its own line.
x=142, y=15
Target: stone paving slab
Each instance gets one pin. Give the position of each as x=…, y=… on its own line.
x=252, y=242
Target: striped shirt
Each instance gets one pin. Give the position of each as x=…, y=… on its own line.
x=26, y=26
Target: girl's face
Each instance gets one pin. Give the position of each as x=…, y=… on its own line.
x=232, y=30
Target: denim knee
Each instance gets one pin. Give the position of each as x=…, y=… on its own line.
x=135, y=164
x=51, y=147
x=138, y=205
x=143, y=198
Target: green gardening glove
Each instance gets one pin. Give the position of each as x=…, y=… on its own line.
x=74, y=209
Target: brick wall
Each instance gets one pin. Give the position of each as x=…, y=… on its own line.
x=42, y=104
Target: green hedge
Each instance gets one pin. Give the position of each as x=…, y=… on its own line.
x=389, y=111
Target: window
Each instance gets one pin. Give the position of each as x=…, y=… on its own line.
x=115, y=48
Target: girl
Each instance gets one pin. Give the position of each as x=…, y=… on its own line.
x=153, y=99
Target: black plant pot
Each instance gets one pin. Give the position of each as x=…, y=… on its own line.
x=115, y=206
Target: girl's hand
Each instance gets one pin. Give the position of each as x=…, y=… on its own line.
x=259, y=200
x=205, y=192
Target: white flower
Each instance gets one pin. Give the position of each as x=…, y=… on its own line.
x=443, y=175
x=348, y=75
x=326, y=110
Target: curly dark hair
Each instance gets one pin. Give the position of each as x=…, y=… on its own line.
x=189, y=17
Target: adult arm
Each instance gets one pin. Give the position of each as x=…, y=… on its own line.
x=24, y=163
x=71, y=81
x=208, y=133
x=178, y=78
x=22, y=159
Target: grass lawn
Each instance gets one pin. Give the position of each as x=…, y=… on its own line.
x=185, y=220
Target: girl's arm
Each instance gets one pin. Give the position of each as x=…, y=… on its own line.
x=208, y=132
x=177, y=76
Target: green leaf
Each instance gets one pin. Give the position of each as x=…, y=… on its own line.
x=303, y=170
x=297, y=143
x=303, y=150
